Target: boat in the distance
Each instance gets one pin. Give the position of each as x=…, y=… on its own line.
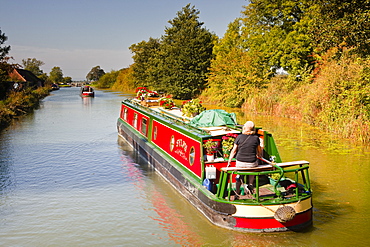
x=87, y=91
x=175, y=146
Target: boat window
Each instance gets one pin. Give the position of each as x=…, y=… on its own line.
x=143, y=125
x=135, y=120
x=155, y=131
x=192, y=156
x=172, y=143
x=125, y=113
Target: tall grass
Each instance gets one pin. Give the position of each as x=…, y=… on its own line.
x=337, y=99
x=20, y=103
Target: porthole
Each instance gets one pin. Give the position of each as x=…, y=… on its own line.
x=192, y=156
x=172, y=143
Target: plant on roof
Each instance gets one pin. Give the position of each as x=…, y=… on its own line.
x=210, y=146
x=144, y=92
x=228, y=143
x=193, y=107
x=166, y=102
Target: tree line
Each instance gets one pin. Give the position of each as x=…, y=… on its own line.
x=306, y=59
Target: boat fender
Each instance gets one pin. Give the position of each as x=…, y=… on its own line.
x=207, y=184
x=284, y=214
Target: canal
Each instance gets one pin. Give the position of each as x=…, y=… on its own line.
x=66, y=179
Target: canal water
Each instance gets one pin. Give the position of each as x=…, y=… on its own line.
x=66, y=179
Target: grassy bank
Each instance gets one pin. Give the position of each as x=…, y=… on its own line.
x=334, y=98
x=20, y=103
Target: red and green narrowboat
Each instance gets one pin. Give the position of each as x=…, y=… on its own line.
x=174, y=146
x=87, y=91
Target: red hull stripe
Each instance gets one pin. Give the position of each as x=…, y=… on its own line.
x=270, y=223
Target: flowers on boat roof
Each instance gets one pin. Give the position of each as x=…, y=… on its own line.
x=193, y=107
x=143, y=92
x=166, y=102
x=228, y=142
x=210, y=146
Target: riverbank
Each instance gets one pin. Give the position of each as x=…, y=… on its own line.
x=20, y=103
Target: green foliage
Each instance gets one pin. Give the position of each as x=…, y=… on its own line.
x=33, y=65
x=95, y=74
x=125, y=80
x=67, y=79
x=192, y=107
x=20, y=103
x=107, y=80
x=234, y=73
x=186, y=52
x=337, y=99
x=177, y=63
x=56, y=75
x=275, y=33
x=4, y=50
x=342, y=23
x=146, y=62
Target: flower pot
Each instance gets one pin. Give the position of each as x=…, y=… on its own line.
x=226, y=153
x=210, y=157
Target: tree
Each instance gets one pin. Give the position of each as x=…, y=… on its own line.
x=4, y=50
x=95, y=74
x=33, y=65
x=67, y=79
x=276, y=34
x=185, y=55
x=234, y=73
x=125, y=80
x=146, y=63
x=5, y=67
x=108, y=79
x=56, y=75
x=342, y=23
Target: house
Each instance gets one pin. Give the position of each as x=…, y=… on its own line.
x=26, y=77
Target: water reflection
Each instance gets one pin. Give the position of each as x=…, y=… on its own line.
x=168, y=217
x=87, y=101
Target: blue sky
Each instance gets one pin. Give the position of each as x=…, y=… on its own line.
x=77, y=35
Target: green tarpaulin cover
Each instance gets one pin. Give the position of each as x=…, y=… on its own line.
x=213, y=118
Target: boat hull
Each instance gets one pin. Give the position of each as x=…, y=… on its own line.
x=240, y=217
x=87, y=94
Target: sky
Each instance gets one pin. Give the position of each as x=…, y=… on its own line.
x=77, y=35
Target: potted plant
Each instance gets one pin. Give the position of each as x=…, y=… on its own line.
x=141, y=93
x=191, y=108
x=210, y=147
x=144, y=93
x=227, y=144
x=166, y=102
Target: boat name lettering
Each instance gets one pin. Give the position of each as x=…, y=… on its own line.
x=180, y=143
x=181, y=153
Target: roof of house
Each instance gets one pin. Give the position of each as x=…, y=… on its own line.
x=24, y=75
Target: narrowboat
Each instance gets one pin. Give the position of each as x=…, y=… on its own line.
x=175, y=146
x=87, y=91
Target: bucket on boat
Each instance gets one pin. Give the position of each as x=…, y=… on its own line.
x=211, y=172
